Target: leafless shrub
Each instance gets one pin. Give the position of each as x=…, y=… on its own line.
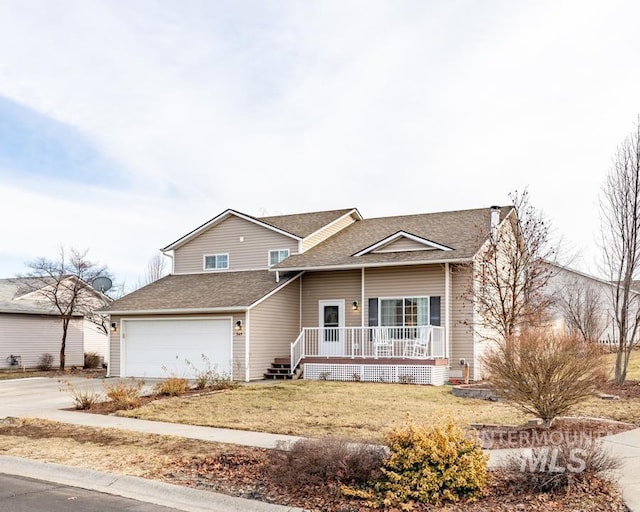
x=208, y=377
x=124, y=394
x=83, y=397
x=543, y=373
x=326, y=462
x=92, y=360
x=551, y=468
x=172, y=386
x=45, y=362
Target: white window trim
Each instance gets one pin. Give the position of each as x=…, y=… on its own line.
x=286, y=249
x=204, y=261
x=403, y=298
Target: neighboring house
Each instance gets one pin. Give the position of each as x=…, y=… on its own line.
x=583, y=303
x=332, y=293
x=30, y=327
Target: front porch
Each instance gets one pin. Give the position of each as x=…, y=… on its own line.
x=417, y=354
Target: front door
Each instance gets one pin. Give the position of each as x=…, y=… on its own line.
x=331, y=322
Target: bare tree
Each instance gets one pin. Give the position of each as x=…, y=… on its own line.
x=510, y=279
x=581, y=308
x=620, y=245
x=156, y=268
x=65, y=285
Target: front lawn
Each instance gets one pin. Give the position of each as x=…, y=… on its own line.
x=357, y=409
x=319, y=408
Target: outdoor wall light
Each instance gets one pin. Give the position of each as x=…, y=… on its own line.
x=239, y=327
x=114, y=326
x=355, y=305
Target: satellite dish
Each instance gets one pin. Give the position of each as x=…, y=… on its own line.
x=101, y=284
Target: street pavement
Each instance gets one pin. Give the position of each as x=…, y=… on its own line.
x=19, y=494
x=42, y=398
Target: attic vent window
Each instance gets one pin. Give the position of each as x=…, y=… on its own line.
x=216, y=261
x=277, y=256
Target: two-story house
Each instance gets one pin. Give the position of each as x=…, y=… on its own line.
x=331, y=293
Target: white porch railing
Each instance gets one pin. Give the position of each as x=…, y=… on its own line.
x=424, y=342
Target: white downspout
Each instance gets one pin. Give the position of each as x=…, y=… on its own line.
x=362, y=297
x=247, y=331
x=447, y=309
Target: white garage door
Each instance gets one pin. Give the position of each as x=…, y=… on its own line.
x=160, y=348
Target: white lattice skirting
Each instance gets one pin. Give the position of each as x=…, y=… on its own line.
x=406, y=374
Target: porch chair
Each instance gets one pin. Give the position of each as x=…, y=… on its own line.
x=382, y=342
x=422, y=345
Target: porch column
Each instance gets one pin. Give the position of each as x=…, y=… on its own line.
x=447, y=309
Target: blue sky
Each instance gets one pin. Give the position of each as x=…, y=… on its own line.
x=124, y=125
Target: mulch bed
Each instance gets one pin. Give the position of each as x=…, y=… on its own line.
x=630, y=389
x=561, y=430
x=245, y=472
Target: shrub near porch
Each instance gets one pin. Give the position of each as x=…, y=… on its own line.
x=306, y=408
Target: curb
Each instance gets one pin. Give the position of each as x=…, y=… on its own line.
x=140, y=489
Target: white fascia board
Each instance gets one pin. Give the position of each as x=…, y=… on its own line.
x=352, y=212
x=272, y=292
x=186, y=311
x=403, y=234
x=219, y=218
x=347, y=266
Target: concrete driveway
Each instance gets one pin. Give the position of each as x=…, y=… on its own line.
x=32, y=396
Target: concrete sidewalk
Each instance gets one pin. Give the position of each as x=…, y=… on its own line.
x=219, y=435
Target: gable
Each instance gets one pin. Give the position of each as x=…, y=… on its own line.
x=246, y=244
x=402, y=242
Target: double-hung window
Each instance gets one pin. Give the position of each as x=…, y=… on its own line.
x=405, y=314
x=216, y=261
x=277, y=256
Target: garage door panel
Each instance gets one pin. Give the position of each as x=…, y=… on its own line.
x=158, y=348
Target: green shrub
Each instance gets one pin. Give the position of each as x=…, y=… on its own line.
x=92, y=360
x=428, y=465
x=123, y=394
x=172, y=386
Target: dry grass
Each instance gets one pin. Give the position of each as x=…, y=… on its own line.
x=112, y=450
x=357, y=410
x=315, y=409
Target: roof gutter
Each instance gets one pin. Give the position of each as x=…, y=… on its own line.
x=347, y=266
x=185, y=311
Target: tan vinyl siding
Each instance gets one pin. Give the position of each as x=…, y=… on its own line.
x=414, y=281
x=326, y=232
x=317, y=286
x=461, y=337
x=31, y=336
x=238, y=354
x=274, y=324
x=403, y=244
x=224, y=238
x=114, y=348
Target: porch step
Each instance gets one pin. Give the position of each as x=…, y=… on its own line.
x=280, y=369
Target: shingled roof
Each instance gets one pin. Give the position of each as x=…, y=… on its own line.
x=16, y=296
x=462, y=231
x=304, y=224
x=200, y=292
